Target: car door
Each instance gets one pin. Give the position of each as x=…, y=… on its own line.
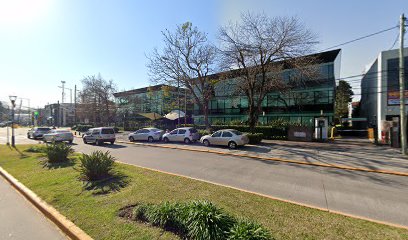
x=136, y=135
x=94, y=135
x=173, y=135
x=181, y=135
x=225, y=138
x=216, y=138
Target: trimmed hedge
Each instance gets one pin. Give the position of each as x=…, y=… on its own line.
x=255, y=138
x=269, y=132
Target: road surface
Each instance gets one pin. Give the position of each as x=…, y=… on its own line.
x=370, y=195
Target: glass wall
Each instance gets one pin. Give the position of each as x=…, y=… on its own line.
x=300, y=104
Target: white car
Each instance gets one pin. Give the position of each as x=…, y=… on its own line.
x=225, y=137
x=185, y=134
x=146, y=134
x=37, y=132
x=58, y=136
x=99, y=135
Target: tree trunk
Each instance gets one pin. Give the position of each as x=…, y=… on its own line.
x=206, y=112
x=252, y=118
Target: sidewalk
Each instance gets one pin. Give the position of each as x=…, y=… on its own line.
x=20, y=220
x=343, y=153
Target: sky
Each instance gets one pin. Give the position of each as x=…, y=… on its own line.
x=44, y=42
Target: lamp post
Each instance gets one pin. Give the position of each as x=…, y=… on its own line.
x=13, y=104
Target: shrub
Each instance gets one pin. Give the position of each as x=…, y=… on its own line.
x=203, y=132
x=58, y=152
x=83, y=128
x=203, y=220
x=245, y=229
x=140, y=212
x=255, y=138
x=166, y=215
x=36, y=149
x=96, y=166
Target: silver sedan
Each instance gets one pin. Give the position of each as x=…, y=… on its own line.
x=225, y=137
x=59, y=136
x=146, y=134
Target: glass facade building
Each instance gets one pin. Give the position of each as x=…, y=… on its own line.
x=300, y=104
x=159, y=99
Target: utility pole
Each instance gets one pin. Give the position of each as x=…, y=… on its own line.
x=402, y=88
x=63, y=91
x=75, y=105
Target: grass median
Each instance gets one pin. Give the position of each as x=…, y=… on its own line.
x=94, y=208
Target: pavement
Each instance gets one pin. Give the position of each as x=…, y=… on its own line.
x=342, y=152
x=21, y=220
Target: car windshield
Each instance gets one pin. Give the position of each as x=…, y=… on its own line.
x=43, y=129
x=236, y=132
x=193, y=130
x=155, y=130
x=107, y=131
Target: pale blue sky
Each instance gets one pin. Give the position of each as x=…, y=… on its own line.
x=45, y=41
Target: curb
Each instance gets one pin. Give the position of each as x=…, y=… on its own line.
x=271, y=197
x=342, y=167
x=65, y=225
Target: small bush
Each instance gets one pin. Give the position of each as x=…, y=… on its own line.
x=203, y=132
x=255, y=138
x=198, y=220
x=166, y=215
x=58, y=152
x=36, y=149
x=96, y=166
x=140, y=212
x=206, y=221
x=245, y=229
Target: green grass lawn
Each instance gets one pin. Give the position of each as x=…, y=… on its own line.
x=95, y=210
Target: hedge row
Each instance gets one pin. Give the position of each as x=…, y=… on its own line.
x=267, y=132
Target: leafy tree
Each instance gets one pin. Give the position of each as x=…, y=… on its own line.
x=257, y=49
x=344, y=95
x=97, y=99
x=186, y=59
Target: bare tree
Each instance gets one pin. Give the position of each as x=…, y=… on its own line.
x=258, y=49
x=187, y=59
x=97, y=101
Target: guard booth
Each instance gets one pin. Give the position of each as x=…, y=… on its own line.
x=321, y=128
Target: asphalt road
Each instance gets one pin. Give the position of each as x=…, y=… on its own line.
x=369, y=195
x=21, y=220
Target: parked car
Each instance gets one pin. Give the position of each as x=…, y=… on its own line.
x=58, y=136
x=225, y=137
x=146, y=134
x=37, y=132
x=185, y=134
x=99, y=135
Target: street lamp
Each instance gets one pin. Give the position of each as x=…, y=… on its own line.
x=13, y=104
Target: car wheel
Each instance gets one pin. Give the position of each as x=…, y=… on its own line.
x=232, y=145
x=187, y=140
x=131, y=139
x=150, y=139
x=70, y=141
x=28, y=136
x=85, y=141
x=166, y=140
x=206, y=143
x=113, y=142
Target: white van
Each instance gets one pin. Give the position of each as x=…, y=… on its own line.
x=99, y=135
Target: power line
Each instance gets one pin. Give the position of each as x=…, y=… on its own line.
x=396, y=40
x=360, y=38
